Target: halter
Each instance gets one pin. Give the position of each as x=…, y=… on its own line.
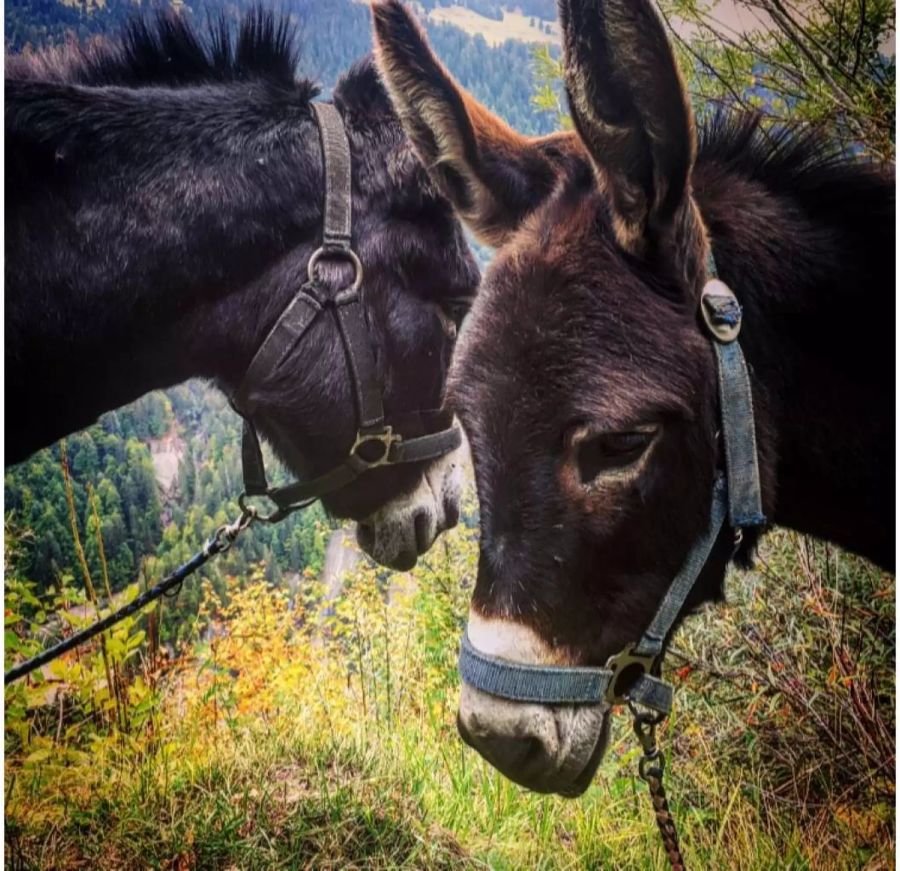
x=628, y=676
x=376, y=443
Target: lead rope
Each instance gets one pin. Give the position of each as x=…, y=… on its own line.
x=650, y=769
x=169, y=586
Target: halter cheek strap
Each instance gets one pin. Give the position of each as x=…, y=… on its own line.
x=736, y=496
x=375, y=444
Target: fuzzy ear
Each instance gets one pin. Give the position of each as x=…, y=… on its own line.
x=493, y=175
x=631, y=109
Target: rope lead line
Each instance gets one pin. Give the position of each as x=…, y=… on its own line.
x=650, y=769
x=221, y=541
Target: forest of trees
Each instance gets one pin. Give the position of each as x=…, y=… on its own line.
x=113, y=459
x=333, y=35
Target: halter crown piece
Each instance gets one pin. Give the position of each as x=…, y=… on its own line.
x=736, y=494
x=375, y=444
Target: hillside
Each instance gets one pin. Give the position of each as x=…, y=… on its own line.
x=512, y=25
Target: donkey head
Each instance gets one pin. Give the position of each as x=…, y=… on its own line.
x=418, y=279
x=585, y=385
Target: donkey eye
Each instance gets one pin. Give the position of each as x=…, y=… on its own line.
x=456, y=310
x=609, y=451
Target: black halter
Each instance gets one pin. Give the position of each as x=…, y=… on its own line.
x=375, y=444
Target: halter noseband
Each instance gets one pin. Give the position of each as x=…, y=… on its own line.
x=736, y=494
x=375, y=444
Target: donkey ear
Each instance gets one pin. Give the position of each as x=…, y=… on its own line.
x=492, y=175
x=631, y=110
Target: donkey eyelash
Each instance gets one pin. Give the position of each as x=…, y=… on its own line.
x=607, y=453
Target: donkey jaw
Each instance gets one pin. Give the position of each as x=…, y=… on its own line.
x=400, y=532
x=546, y=748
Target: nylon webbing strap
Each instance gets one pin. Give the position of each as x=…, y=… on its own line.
x=651, y=643
x=739, y=433
x=255, y=482
x=426, y=447
x=553, y=685
x=302, y=491
x=723, y=312
x=367, y=385
x=295, y=320
x=336, y=234
x=337, y=221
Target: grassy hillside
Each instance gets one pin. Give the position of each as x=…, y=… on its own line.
x=297, y=735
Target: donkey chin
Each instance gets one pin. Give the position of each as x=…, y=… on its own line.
x=546, y=748
x=402, y=530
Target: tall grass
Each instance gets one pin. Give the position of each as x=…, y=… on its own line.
x=308, y=734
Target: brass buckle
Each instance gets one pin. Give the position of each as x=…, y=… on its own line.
x=619, y=665
x=385, y=438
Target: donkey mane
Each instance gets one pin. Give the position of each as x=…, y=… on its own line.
x=168, y=50
x=801, y=162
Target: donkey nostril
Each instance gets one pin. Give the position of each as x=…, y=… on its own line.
x=365, y=536
x=512, y=755
x=451, y=514
x=422, y=524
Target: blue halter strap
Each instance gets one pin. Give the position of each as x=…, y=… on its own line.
x=736, y=495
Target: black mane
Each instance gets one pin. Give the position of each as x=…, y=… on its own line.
x=801, y=162
x=168, y=50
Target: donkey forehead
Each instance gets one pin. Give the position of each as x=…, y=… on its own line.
x=564, y=321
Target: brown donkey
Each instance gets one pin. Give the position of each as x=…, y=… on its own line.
x=583, y=378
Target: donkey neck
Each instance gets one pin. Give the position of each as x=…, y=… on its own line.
x=816, y=287
x=166, y=259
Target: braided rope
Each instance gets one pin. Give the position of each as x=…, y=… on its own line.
x=651, y=767
x=665, y=822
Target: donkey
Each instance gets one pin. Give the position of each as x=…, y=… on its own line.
x=582, y=377
x=164, y=195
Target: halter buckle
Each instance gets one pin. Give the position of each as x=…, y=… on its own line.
x=721, y=311
x=627, y=669
x=384, y=440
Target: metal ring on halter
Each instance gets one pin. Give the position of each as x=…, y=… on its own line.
x=337, y=253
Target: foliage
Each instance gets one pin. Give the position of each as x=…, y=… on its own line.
x=112, y=456
x=548, y=75
x=143, y=534
x=302, y=731
x=824, y=62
